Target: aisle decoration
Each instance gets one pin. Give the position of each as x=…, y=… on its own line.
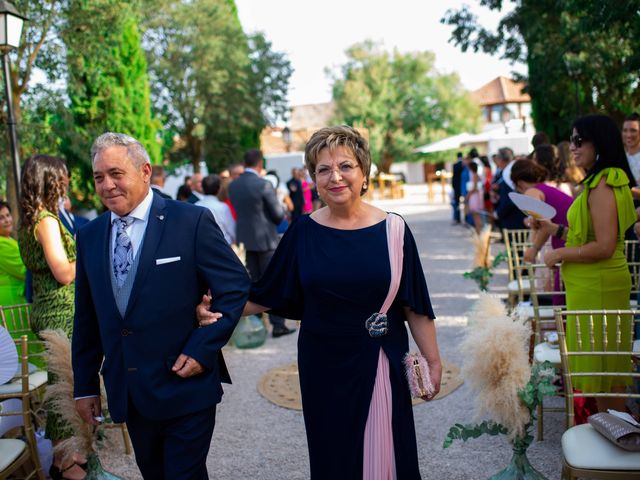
x=483, y=264
x=60, y=399
x=506, y=388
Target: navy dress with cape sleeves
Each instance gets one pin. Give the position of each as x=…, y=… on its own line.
x=333, y=280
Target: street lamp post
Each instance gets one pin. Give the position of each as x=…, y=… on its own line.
x=11, y=22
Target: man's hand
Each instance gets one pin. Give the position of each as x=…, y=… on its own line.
x=88, y=409
x=205, y=317
x=186, y=366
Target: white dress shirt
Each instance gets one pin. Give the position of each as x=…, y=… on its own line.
x=634, y=165
x=222, y=214
x=136, y=230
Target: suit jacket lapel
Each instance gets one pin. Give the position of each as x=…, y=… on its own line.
x=152, y=237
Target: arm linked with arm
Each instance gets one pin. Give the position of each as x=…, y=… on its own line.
x=229, y=284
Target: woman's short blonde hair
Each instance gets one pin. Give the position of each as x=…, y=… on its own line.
x=332, y=138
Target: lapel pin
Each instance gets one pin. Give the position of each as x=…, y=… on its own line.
x=160, y=217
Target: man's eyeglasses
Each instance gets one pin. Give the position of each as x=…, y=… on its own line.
x=576, y=140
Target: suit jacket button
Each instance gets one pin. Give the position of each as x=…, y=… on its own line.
x=125, y=332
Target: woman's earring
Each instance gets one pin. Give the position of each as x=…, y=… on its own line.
x=365, y=186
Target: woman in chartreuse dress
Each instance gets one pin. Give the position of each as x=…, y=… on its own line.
x=594, y=268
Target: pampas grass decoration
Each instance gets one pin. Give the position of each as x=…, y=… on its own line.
x=496, y=364
x=485, y=308
x=60, y=394
x=481, y=245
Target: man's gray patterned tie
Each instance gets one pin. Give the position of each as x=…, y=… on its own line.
x=123, y=251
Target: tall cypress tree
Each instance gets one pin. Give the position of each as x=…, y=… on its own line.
x=107, y=85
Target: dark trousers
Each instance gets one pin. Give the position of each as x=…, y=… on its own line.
x=257, y=264
x=173, y=449
x=455, y=204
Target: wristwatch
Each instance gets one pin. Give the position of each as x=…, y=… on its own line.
x=559, y=231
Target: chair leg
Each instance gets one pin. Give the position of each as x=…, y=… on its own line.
x=33, y=450
x=125, y=438
x=540, y=423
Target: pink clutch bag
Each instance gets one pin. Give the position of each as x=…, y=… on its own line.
x=415, y=365
x=417, y=370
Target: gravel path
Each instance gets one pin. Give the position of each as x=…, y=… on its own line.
x=255, y=439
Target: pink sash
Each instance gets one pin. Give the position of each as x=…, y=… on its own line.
x=379, y=456
x=377, y=324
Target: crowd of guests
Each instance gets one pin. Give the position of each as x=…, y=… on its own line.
x=591, y=181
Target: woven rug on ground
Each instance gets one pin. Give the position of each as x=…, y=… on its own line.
x=282, y=387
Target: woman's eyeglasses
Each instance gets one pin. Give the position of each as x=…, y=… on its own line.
x=344, y=170
x=576, y=140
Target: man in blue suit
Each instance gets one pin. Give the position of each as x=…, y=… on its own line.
x=142, y=268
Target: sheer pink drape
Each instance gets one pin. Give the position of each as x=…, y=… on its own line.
x=379, y=457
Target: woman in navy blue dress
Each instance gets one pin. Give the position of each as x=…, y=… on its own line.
x=331, y=270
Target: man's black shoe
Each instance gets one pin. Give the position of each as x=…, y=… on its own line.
x=280, y=331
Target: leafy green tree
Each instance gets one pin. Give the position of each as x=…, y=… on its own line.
x=580, y=54
x=401, y=100
x=38, y=50
x=107, y=84
x=214, y=87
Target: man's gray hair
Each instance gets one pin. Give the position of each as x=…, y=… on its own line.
x=135, y=150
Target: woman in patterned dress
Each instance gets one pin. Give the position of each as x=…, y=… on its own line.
x=48, y=250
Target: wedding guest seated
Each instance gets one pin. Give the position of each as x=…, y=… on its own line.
x=12, y=270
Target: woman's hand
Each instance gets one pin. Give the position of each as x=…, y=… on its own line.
x=552, y=258
x=435, y=371
x=530, y=254
x=205, y=317
x=546, y=226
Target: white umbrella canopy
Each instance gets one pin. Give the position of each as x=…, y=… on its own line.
x=449, y=143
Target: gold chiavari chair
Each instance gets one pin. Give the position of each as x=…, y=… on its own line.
x=22, y=389
x=17, y=320
x=586, y=453
x=516, y=241
x=543, y=293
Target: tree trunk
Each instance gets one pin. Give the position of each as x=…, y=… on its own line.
x=387, y=161
x=194, y=147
